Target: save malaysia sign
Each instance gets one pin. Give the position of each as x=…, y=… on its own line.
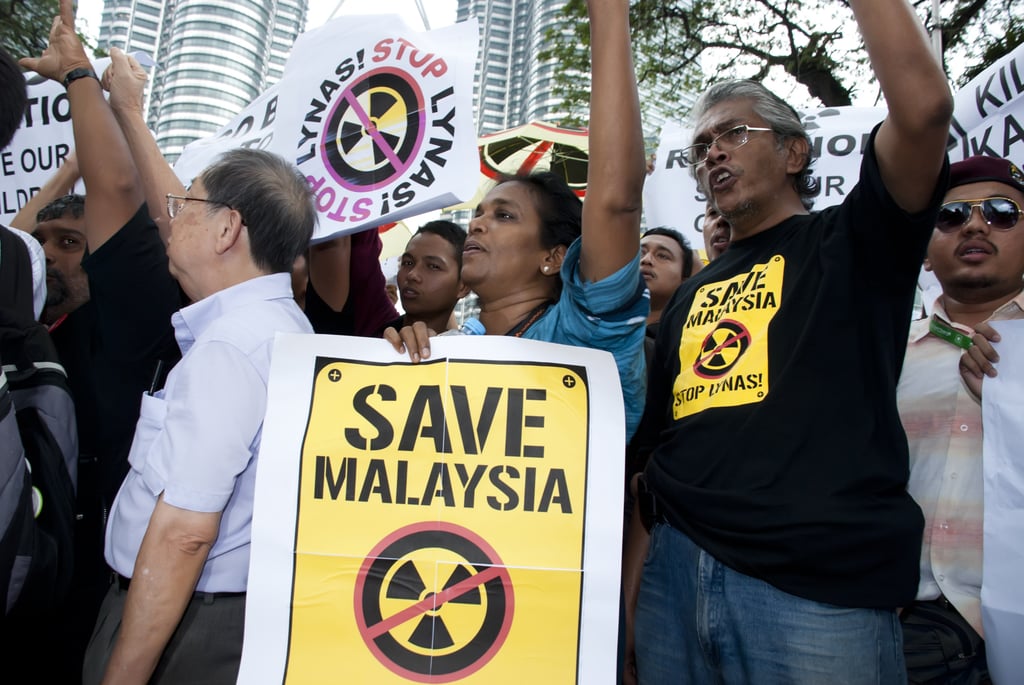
x=456, y=520
x=988, y=120
x=382, y=128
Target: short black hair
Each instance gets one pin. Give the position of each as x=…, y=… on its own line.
x=684, y=244
x=73, y=204
x=448, y=230
x=13, y=97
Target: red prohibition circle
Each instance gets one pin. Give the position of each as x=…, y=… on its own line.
x=488, y=584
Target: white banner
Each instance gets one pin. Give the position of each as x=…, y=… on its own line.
x=253, y=127
x=40, y=146
x=457, y=520
x=1002, y=596
x=380, y=119
x=988, y=119
x=43, y=142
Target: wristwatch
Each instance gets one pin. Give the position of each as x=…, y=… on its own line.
x=75, y=74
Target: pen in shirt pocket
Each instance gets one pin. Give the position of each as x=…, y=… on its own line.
x=157, y=383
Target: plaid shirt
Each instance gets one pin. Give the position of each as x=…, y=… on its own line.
x=944, y=429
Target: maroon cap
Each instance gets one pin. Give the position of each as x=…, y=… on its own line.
x=981, y=168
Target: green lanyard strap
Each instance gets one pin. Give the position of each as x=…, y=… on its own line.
x=945, y=331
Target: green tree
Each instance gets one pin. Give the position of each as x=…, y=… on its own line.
x=680, y=46
x=25, y=25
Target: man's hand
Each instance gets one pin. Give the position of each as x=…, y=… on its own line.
x=65, y=51
x=125, y=80
x=979, y=360
x=415, y=339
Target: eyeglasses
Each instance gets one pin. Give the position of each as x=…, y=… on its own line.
x=998, y=212
x=176, y=203
x=726, y=142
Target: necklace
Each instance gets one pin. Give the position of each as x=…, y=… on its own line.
x=530, y=319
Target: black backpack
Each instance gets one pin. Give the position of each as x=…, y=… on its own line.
x=38, y=450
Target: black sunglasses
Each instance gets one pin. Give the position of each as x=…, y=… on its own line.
x=998, y=212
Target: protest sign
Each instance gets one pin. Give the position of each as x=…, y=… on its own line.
x=40, y=146
x=379, y=118
x=988, y=119
x=43, y=141
x=253, y=127
x=1002, y=597
x=458, y=520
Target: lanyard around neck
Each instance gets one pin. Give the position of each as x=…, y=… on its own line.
x=941, y=329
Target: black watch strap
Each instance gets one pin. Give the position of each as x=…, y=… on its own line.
x=75, y=74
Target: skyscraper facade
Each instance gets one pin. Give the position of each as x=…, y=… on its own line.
x=212, y=57
x=513, y=84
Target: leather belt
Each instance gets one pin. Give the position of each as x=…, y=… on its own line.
x=124, y=583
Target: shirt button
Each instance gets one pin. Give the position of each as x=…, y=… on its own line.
x=963, y=427
x=953, y=476
x=941, y=577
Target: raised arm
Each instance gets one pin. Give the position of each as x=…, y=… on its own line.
x=911, y=144
x=61, y=183
x=111, y=181
x=615, y=177
x=126, y=80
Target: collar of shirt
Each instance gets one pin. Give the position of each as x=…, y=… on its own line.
x=919, y=329
x=190, y=322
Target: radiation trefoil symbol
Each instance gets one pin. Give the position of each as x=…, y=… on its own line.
x=375, y=130
x=433, y=602
x=722, y=349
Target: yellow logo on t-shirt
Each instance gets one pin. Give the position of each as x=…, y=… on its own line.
x=723, y=351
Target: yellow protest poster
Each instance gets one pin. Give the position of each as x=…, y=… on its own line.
x=453, y=521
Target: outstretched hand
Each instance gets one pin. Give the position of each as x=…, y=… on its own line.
x=979, y=361
x=125, y=80
x=64, y=52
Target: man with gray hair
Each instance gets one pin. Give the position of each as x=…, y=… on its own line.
x=179, y=531
x=782, y=536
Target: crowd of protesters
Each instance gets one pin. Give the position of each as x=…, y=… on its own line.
x=823, y=524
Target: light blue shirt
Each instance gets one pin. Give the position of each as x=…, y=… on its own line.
x=197, y=440
x=611, y=315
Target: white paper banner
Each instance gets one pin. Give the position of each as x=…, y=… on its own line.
x=43, y=142
x=253, y=127
x=379, y=119
x=39, y=147
x=455, y=520
x=988, y=118
x=1002, y=595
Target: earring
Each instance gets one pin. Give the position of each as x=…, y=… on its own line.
x=545, y=269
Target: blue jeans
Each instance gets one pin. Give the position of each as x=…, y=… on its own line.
x=699, y=621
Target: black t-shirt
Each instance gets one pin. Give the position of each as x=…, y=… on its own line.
x=772, y=406
x=323, y=319
x=110, y=347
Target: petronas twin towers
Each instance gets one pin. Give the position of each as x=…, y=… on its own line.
x=213, y=57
